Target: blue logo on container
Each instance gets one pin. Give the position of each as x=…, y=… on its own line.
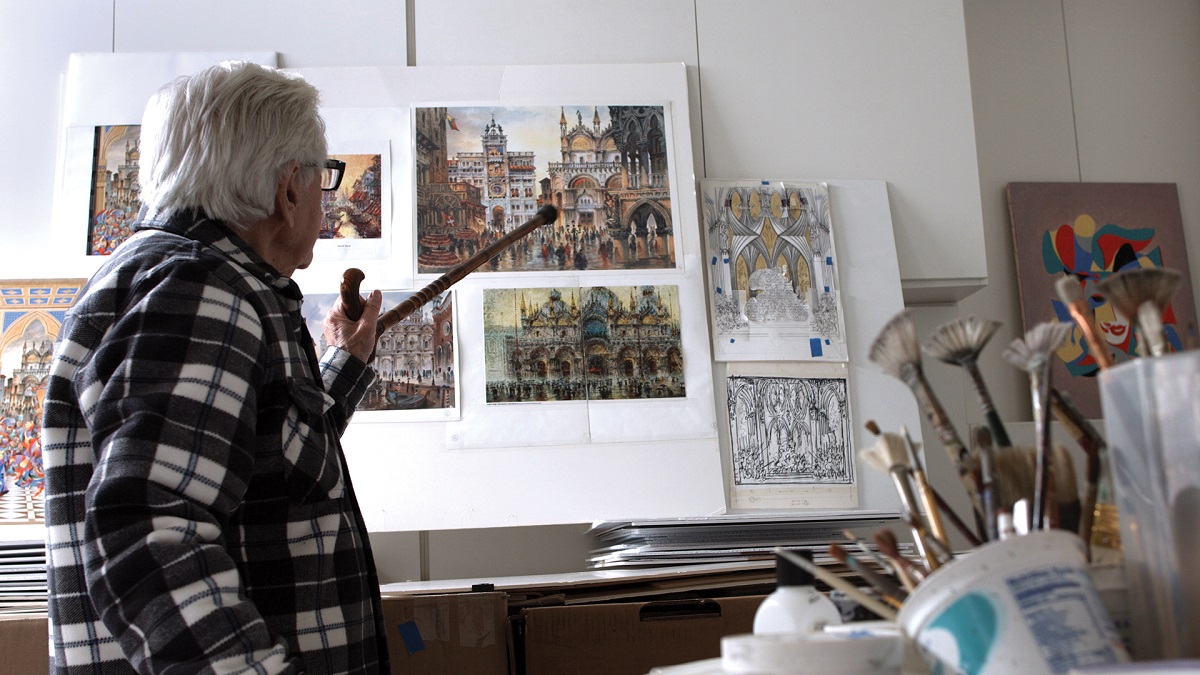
x=972, y=623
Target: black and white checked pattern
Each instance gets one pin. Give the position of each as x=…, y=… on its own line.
x=199, y=516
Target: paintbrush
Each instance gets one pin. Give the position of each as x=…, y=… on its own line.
x=1032, y=354
x=886, y=541
x=879, y=559
x=897, y=351
x=1093, y=445
x=987, y=480
x=1130, y=290
x=888, y=590
x=834, y=581
x=1070, y=293
x=959, y=342
x=887, y=455
x=924, y=490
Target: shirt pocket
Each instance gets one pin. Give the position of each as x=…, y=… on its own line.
x=314, y=472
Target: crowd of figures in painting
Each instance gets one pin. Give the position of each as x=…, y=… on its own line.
x=790, y=431
x=608, y=178
x=773, y=258
x=594, y=343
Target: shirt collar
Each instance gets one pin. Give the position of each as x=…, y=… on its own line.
x=195, y=225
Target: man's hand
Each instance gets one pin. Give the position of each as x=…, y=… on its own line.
x=356, y=337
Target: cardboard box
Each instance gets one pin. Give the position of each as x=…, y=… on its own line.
x=435, y=634
x=627, y=637
x=25, y=644
x=451, y=633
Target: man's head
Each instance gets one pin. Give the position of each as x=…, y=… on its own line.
x=221, y=139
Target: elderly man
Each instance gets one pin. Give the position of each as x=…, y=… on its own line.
x=200, y=515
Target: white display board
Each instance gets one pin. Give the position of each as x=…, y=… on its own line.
x=536, y=463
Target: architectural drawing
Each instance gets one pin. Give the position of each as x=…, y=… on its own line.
x=355, y=209
x=483, y=171
x=790, y=431
x=414, y=360
x=773, y=271
x=115, y=192
x=31, y=313
x=598, y=343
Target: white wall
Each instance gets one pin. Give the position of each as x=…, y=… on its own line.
x=948, y=101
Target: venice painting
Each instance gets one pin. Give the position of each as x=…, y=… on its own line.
x=483, y=171
x=572, y=344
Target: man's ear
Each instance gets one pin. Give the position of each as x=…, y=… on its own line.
x=287, y=193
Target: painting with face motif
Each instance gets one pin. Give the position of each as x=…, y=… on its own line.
x=1091, y=231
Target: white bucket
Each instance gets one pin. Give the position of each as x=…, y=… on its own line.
x=1023, y=605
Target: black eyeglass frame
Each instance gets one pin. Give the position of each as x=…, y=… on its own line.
x=338, y=167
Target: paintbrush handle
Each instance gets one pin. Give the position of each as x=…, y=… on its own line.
x=995, y=425
x=833, y=581
x=889, y=590
x=929, y=505
x=952, y=442
x=1097, y=347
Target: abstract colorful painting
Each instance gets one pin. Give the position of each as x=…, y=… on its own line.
x=574, y=344
x=415, y=360
x=1090, y=231
x=483, y=171
x=774, y=291
x=355, y=209
x=115, y=192
x=31, y=312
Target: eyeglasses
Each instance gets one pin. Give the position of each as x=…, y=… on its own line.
x=331, y=175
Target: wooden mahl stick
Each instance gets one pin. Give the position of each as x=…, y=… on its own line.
x=353, y=277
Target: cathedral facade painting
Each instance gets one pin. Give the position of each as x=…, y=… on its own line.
x=773, y=276
x=415, y=360
x=483, y=171
x=31, y=313
x=115, y=191
x=790, y=431
x=572, y=344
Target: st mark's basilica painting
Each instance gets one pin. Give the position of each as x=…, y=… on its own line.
x=483, y=171
x=572, y=344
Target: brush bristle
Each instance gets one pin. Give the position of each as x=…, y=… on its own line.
x=1033, y=351
x=960, y=340
x=1016, y=468
x=1129, y=289
x=1069, y=289
x=887, y=451
x=896, y=346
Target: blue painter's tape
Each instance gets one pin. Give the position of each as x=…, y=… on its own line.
x=814, y=345
x=731, y=340
x=727, y=261
x=714, y=260
x=766, y=182
x=411, y=636
x=826, y=340
x=828, y=260
x=720, y=290
x=826, y=289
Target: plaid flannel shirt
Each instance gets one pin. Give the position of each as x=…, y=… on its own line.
x=199, y=515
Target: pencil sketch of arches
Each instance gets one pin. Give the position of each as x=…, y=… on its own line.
x=790, y=431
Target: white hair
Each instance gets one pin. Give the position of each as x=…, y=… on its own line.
x=219, y=140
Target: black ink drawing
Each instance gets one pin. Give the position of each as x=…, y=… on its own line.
x=790, y=431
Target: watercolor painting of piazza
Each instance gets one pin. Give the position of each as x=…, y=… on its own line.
x=483, y=171
x=575, y=344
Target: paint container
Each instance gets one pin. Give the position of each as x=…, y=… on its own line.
x=1152, y=421
x=842, y=652
x=1025, y=604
